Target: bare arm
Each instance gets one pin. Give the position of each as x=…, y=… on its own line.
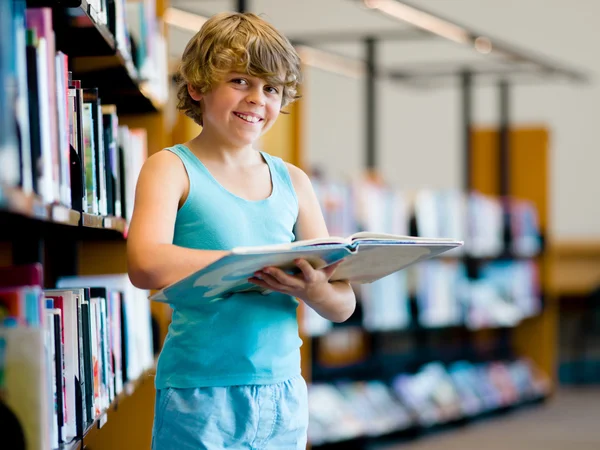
x=334, y=300
x=153, y=261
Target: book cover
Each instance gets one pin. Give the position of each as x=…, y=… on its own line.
x=89, y=159
x=76, y=148
x=51, y=380
x=90, y=97
x=65, y=301
x=22, y=99
x=111, y=125
x=62, y=104
x=12, y=305
x=40, y=19
x=10, y=158
x=366, y=257
x=24, y=384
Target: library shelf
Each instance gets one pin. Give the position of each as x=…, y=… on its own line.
x=20, y=212
x=91, y=220
x=416, y=432
x=95, y=57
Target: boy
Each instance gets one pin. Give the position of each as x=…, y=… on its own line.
x=229, y=372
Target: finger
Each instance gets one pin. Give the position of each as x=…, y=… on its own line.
x=273, y=283
x=281, y=277
x=258, y=282
x=329, y=270
x=307, y=269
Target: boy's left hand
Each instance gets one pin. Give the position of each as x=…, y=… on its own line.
x=310, y=285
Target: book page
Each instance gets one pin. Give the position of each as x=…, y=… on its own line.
x=372, y=236
x=373, y=261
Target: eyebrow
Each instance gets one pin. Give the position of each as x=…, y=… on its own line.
x=278, y=81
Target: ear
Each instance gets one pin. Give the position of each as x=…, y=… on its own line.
x=194, y=93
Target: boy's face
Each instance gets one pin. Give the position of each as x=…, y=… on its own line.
x=241, y=108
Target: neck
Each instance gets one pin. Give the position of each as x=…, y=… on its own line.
x=214, y=147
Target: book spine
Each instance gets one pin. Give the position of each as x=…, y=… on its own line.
x=40, y=19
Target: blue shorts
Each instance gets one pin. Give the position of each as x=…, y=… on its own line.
x=265, y=417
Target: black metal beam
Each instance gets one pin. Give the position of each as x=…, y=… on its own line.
x=467, y=124
x=371, y=103
x=242, y=6
x=504, y=188
x=504, y=139
x=452, y=70
x=337, y=37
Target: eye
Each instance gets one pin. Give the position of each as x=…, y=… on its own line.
x=271, y=90
x=240, y=81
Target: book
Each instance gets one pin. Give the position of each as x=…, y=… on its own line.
x=24, y=387
x=365, y=257
x=40, y=20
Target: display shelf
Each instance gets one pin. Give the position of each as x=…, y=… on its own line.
x=417, y=432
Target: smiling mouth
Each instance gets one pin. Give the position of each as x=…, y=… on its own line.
x=247, y=118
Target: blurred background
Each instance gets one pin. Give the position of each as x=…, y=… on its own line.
x=470, y=119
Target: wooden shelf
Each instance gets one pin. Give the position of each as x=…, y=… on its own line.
x=20, y=212
x=574, y=267
x=92, y=221
x=116, y=223
x=95, y=58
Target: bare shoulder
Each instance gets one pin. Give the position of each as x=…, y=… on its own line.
x=163, y=171
x=164, y=162
x=300, y=179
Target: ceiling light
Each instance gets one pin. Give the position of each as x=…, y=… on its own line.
x=483, y=45
x=420, y=19
x=183, y=19
x=330, y=62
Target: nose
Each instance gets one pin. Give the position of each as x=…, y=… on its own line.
x=256, y=97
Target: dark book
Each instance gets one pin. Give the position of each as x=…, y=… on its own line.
x=35, y=128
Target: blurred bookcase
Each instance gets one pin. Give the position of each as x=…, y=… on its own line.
x=397, y=369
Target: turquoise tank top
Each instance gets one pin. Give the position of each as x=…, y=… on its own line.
x=247, y=338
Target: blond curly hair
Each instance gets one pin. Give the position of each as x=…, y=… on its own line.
x=239, y=42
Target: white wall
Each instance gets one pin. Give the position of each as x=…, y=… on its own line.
x=419, y=131
x=334, y=123
x=419, y=134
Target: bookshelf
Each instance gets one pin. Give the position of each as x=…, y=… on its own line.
x=97, y=58
x=68, y=242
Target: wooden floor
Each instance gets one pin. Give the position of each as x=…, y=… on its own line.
x=569, y=421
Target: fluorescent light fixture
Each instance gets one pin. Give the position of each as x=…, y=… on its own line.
x=420, y=19
x=331, y=62
x=483, y=45
x=310, y=56
x=183, y=19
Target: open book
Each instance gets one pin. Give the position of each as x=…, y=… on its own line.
x=366, y=257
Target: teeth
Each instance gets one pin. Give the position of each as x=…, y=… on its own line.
x=250, y=119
